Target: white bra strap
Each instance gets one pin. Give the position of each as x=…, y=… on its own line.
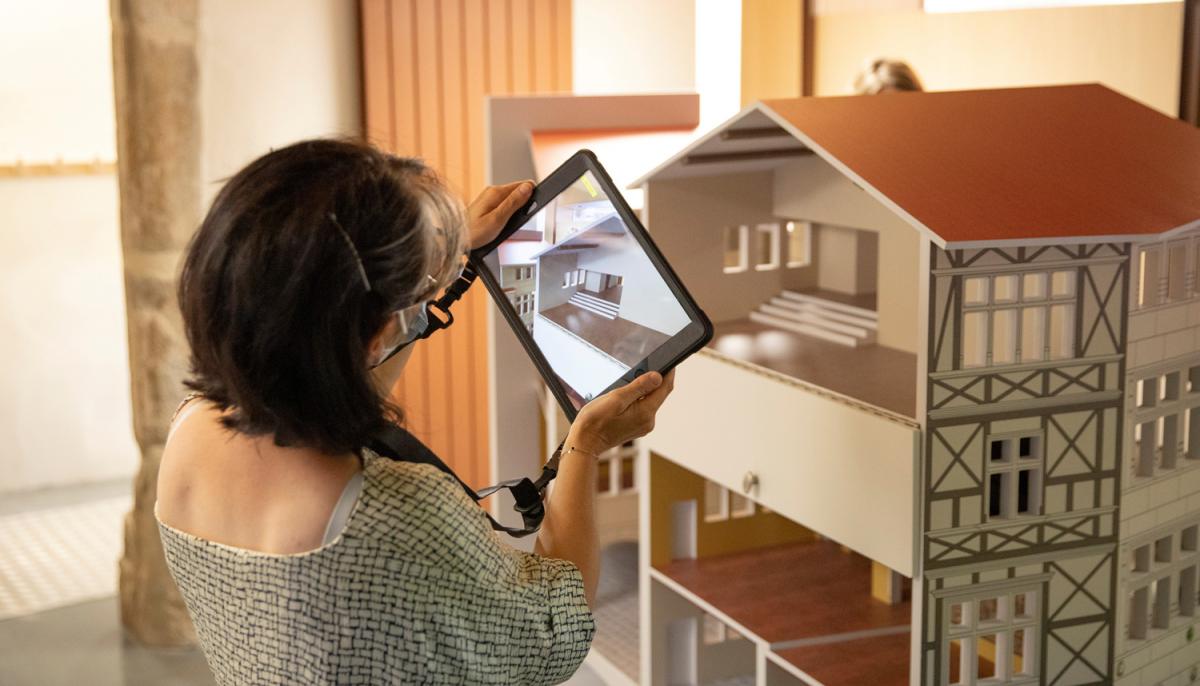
x=341, y=511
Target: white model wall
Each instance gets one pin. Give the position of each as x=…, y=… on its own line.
x=811, y=189
x=550, y=272
x=645, y=300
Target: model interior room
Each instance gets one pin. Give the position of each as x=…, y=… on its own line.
x=941, y=434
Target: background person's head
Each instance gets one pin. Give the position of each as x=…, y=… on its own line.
x=886, y=76
x=290, y=285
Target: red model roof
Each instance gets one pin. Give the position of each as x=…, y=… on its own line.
x=1012, y=164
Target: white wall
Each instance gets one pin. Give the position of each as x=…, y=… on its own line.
x=274, y=72
x=663, y=46
x=56, y=86
x=633, y=46
x=64, y=398
x=64, y=370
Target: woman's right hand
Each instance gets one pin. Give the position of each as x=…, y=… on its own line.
x=620, y=415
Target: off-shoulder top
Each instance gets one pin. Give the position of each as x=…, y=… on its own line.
x=417, y=589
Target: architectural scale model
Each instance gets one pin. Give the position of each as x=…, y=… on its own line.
x=955, y=368
x=942, y=434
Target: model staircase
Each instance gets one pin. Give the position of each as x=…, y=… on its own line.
x=591, y=303
x=820, y=318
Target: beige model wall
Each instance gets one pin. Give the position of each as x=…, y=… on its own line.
x=1134, y=49
x=672, y=483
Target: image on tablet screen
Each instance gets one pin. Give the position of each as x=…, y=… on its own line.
x=582, y=285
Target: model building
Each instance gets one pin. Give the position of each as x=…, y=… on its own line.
x=956, y=355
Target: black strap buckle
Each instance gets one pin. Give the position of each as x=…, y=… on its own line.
x=440, y=316
x=397, y=444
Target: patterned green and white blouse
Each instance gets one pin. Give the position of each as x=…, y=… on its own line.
x=417, y=590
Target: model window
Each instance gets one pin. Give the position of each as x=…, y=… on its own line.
x=1168, y=443
x=1014, y=477
x=1145, y=447
x=1191, y=436
x=1170, y=387
x=603, y=476
x=1004, y=289
x=1177, y=271
x=1160, y=614
x=1188, y=539
x=1147, y=392
x=1004, y=335
x=975, y=291
x=1061, y=343
x=1139, y=612
x=737, y=248
x=1033, y=333
x=740, y=506
x=716, y=502
x=1141, y=558
x=975, y=342
x=1187, y=592
x=1162, y=581
x=766, y=247
x=993, y=639
x=799, y=244
x=1034, y=287
x=1014, y=318
x=627, y=473
x=1149, y=260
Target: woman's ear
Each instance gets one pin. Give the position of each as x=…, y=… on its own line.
x=375, y=347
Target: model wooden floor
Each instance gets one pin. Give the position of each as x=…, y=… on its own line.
x=813, y=600
x=879, y=661
x=628, y=342
x=884, y=377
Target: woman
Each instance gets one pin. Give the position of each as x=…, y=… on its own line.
x=304, y=557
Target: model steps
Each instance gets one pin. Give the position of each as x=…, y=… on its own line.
x=820, y=318
x=599, y=306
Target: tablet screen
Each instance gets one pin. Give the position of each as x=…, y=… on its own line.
x=582, y=285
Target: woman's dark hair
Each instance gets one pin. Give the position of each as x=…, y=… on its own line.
x=299, y=263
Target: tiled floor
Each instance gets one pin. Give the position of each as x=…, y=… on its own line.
x=616, y=610
x=59, y=555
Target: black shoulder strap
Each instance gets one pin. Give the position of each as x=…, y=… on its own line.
x=397, y=444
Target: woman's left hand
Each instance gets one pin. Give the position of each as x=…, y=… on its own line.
x=491, y=210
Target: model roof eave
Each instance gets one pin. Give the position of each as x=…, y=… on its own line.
x=1060, y=163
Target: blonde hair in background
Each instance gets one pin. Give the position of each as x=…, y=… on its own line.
x=882, y=75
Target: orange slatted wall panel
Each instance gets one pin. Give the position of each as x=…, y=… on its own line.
x=427, y=67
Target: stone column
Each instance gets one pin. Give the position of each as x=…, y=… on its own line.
x=156, y=69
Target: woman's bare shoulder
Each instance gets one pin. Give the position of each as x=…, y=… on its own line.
x=245, y=491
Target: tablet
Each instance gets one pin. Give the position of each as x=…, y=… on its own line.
x=584, y=288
